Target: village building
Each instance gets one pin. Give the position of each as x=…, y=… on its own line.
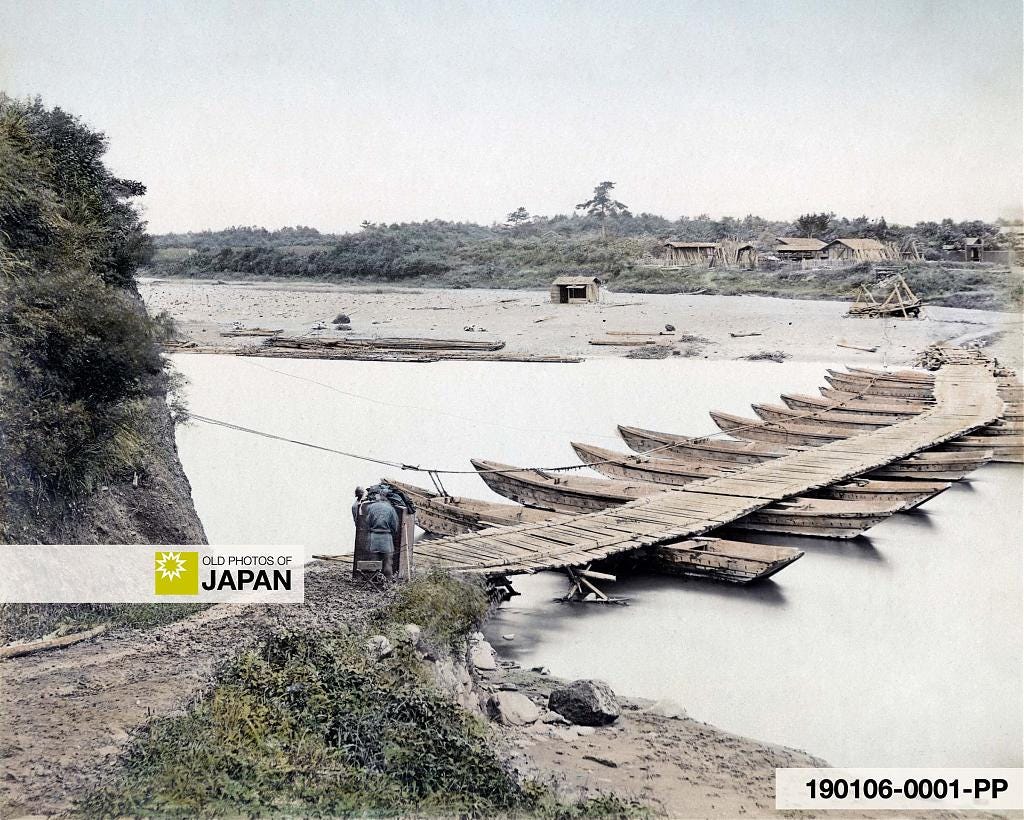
x=691, y=253
x=974, y=249
x=568, y=290
x=856, y=249
x=746, y=256
x=798, y=247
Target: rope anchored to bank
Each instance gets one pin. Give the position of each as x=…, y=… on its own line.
x=435, y=472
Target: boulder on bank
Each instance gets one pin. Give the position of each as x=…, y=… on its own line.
x=483, y=656
x=585, y=703
x=512, y=709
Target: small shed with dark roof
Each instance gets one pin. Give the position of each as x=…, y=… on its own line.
x=568, y=290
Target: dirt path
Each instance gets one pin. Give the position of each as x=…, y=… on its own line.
x=65, y=714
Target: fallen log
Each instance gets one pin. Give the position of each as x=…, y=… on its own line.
x=17, y=649
x=622, y=342
x=252, y=331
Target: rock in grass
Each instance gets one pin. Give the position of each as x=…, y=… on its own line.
x=379, y=647
x=413, y=634
x=585, y=703
x=512, y=709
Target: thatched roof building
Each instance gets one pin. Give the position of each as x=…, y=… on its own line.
x=857, y=249
x=690, y=253
x=798, y=247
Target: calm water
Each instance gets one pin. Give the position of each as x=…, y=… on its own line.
x=899, y=650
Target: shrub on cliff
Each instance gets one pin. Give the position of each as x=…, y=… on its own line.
x=77, y=351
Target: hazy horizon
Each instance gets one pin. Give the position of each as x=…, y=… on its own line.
x=327, y=115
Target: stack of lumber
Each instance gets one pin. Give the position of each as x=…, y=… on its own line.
x=412, y=344
x=369, y=349
x=252, y=331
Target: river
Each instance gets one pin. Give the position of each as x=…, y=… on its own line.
x=902, y=649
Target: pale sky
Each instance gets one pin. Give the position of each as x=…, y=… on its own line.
x=329, y=113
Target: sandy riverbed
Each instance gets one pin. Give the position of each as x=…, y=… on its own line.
x=529, y=323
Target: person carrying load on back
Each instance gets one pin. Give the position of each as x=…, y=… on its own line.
x=382, y=523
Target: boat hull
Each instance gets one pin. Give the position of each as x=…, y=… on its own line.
x=869, y=387
x=673, y=472
x=824, y=518
x=713, y=558
x=838, y=419
x=707, y=449
x=568, y=495
x=798, y=401
x=906, y=495
x=773, y=432
x=737, y=562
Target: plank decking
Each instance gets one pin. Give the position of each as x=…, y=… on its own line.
x=966, y=398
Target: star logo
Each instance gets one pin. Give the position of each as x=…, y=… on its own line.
x=176, y=572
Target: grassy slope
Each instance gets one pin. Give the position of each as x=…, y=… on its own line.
x=313, y=725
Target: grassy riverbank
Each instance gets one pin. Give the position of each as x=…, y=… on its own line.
x=314, y=723
x=943, y=284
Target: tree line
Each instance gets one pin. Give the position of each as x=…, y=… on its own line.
x=601, y=235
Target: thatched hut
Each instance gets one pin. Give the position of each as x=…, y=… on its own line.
x=799, y=247
x=691, y=253
x=857, y=249
x=568, y=290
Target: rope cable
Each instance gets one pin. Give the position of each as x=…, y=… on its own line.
x=435, y=472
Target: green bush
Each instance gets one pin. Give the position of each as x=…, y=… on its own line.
x=82, y=356
x=310, y=725
x=445, y=607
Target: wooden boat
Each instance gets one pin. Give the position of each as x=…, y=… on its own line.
x=934, y=465
x=717, y=558
x=560, y=492
x=816, y=517
x=1008, y=389
x=725, y=560
x=702, y=449
x=869, y=387
x=1008, y=448
x=895, y=375
x=905, y=495
x=774, y=432
x=855, y=423
x=899, y=495
x=853, y=398
x=454, y=515
x=798, y=401
x=676, y=472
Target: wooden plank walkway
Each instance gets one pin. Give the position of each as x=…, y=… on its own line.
x=966, y=398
